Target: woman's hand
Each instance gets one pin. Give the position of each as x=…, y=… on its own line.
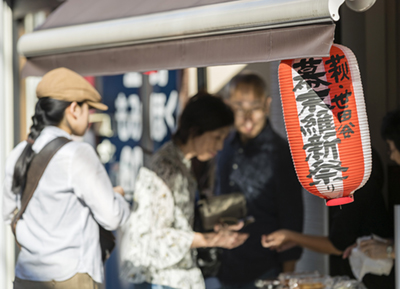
x=119, y=190
x=228, y=238
x=280, y=240
x=375, y=249
x=223, y=237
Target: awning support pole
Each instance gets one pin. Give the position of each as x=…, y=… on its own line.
x=396, y=241
x=7, y=243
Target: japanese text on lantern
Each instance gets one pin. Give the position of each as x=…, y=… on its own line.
x=313, y=89
x=339, y=73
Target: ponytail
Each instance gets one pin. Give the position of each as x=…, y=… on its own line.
x=48, y=111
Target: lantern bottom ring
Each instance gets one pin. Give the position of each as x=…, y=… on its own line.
x=340, y=201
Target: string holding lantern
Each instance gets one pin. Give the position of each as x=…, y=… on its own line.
x=326, y=123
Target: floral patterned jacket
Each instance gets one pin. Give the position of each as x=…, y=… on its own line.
x=156, y=239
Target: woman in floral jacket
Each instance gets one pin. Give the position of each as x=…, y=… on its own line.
x=159, y=241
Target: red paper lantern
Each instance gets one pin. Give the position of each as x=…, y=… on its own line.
x=326, y=123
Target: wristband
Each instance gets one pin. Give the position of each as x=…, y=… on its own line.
x=389, y=251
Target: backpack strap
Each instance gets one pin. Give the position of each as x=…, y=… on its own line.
x=35, y=172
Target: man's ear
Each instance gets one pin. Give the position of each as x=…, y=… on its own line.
x=268, y=101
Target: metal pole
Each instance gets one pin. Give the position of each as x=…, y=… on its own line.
x=396, y=241
x=146, y=141
x=3, y=261
x=202, y=79
x=31, y=21
x=7, y=257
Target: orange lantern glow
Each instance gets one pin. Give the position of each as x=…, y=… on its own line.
x=326, y=123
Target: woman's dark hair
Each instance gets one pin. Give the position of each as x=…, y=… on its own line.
x=390, y=129
x=202, y=113
x=48, y=111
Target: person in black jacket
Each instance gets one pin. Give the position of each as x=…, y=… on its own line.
x=257, y=162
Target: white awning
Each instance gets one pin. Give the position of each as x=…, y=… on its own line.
x=184, y=35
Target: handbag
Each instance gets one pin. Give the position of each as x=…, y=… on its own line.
x=224, y=209
x=35, y=172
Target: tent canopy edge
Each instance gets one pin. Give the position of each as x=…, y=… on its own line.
x=245, y=47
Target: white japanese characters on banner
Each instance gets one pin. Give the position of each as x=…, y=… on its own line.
x=159, y=78
x=133, y=80
x=162, y=114
x=122, y=153
x=129, y=117
x=164, y=103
